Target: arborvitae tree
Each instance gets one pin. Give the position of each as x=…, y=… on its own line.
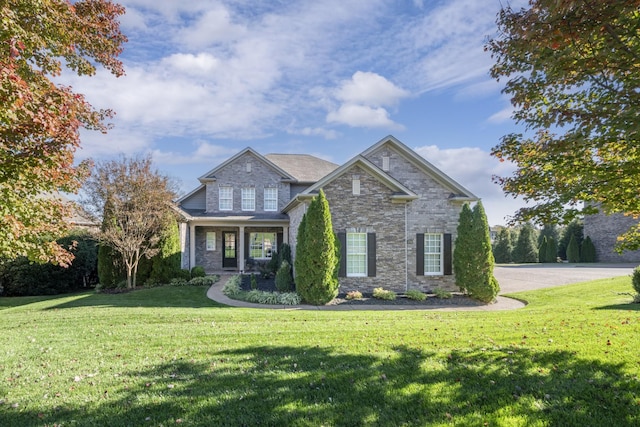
x=550, y=231
x=542, y=250
x=316, y=260
x=587, y=251
x=484, y=287
x=283, y=277
x=285, y=253
x=575, y=229
x=502, y=248
x=166, y=263
x=525, y=249
x=464, y=249
x=552, y=250
x=573, y=250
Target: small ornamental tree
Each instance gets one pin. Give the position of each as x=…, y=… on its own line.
x=502, y=248
x=573, y=250
x=463, y=250
x=587, y=251
x=525, y=250
x=316, y=256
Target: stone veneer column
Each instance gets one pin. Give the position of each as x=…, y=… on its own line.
x=192, y=246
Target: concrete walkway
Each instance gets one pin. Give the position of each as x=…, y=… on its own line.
x=512, y=278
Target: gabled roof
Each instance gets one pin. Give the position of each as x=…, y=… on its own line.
x=458, y=191
x=401, y=192
x=303, y=167
x=191, y=193
x=210, y=176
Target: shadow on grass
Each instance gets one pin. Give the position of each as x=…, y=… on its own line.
x=164, y=296
x=315, y=386
x=630, y=306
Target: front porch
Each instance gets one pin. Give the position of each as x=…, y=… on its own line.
x=230, y=246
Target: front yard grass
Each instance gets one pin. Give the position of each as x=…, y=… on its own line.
x=166, y=356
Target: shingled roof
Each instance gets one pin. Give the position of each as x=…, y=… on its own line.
x=303, y=167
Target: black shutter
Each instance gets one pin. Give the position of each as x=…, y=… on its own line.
x=420, y=254
x=371, y=254
x=342, y=238
x=448, y=270
x=246, y=245
x=279, y=240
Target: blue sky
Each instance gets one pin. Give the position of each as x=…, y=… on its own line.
x=205, y=79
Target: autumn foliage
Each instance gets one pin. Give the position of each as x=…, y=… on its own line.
x=572, y=71
x=40, y=120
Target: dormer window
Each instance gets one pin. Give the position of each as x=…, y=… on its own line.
x=355, y=185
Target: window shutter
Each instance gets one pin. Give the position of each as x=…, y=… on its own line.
x=342, y=238
x=448, y=270
x=279, y=240
x=420, y=254
x=371, y=254
x=247, y=241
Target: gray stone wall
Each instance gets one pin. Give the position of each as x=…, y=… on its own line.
x=373, y=212
x=432, y=212
x=603, y=230
x=235, y=175
x=210, y=260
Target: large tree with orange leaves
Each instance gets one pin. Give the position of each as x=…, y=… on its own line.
x=40, y=120
x=572, y=70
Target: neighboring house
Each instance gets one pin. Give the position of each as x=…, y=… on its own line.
x=394, y=213
x=604, y=230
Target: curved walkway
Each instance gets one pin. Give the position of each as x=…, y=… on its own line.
x=512, y=278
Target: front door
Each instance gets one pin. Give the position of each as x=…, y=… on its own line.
x=230, y=254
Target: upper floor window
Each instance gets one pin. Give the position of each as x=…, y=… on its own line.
x=432, y=253
x=271, y=199
x=249, y=199
x=225, y=198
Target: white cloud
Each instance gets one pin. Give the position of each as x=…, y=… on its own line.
x=204, y=153
x=370, y=89
x=201, y=64
x=362, y=116
x=211, y=27
x=473, y=168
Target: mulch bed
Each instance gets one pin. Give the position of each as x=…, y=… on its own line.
x=456, y=300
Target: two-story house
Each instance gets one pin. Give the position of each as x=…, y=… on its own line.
x=394, y=213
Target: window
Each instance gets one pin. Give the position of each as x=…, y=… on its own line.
x=249, y=199
x=270, y=199
x=261, y=245
x=432, y=253
x=225, y=198
x=211, y=240
x=356, y=254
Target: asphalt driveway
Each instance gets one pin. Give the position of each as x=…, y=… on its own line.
x=526, y=277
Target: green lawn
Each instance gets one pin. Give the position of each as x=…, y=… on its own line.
x=168, y=356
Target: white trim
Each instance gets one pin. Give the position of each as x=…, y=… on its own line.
x=245, y=196
x=359, y=254
x=275, y=209
x=225, y=187
x=441, y=254
x=210, y=237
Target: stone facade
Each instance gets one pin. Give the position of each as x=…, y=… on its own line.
x=246, y=171
x=604, y=230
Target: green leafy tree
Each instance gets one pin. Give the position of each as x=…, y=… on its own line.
x=316, y=255
x=575, y=229
x=573, y=250
x=138, y=199
x=525, y=249
x=40, y=120
x=572, y=70
x=464, y=249
x=502, y=248
x=587, y=251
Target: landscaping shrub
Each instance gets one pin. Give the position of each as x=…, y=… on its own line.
x=502, y=249
x=233, y=290
x=635, y=279
x=587, y=251
x=178, y=282
x=351, y=295
x=198, y=271
x=254, y=282
x=442, y=294
x=384, y=294
x=285, y=253
x=415, y=295
x=284, y=281
x=232, y=287
x=525, y=249
x=204, y=281
x=573, y=250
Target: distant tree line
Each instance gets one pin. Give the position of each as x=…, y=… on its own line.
x=526, y=244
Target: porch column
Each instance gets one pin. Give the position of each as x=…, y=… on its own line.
x=285, y=235
x=241, y=250
x=192, y=245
